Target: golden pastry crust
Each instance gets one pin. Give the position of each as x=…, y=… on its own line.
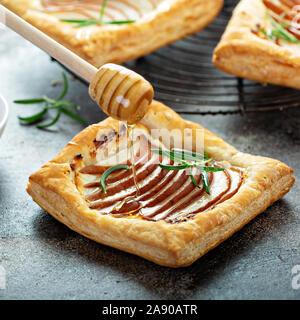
x=244, y=54
x=173, y=245
x=102, y=44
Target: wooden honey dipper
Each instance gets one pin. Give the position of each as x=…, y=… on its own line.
x=120, y=92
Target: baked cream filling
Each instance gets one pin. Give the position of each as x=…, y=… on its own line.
x=168, y=195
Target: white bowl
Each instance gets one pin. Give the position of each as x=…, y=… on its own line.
x=3, y=114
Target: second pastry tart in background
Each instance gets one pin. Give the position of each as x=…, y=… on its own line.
x=157, y=23
x=262, y=42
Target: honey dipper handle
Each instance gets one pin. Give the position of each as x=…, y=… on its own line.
x=72, y=61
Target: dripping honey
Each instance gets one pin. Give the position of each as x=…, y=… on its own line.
x=131, y=199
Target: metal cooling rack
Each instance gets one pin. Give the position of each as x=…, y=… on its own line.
x=184, y=77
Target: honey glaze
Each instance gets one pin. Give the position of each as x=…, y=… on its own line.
x=162, y=194
x=130, y=204
x=130, y=129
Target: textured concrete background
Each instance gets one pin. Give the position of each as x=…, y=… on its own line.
x=43, y=259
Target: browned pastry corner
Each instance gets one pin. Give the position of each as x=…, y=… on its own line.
x=178, y=222
x=246, y=51
x=158, y=23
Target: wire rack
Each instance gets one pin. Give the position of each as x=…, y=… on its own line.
x=184, y=77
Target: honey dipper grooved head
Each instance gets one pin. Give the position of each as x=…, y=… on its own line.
x=121, y=93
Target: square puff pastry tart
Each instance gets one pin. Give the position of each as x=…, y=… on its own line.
x=158, y=23
x=178, y=238
x=245, y=52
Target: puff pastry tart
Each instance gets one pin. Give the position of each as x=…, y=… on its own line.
x=171, y=222
x=157, y=23
x=262, y=42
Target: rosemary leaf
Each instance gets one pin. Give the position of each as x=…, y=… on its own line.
x=48, y=100
x=179, y=167
x=73, y=115
x=104, y=3
x=209, y=169
x=70, y=105
x=30, y=101
x=86, y=24
x=58, y=105
x=34, y=118
x=75, y=20
x=184, y=153
x=284, y=36
x=120, y=22
x=108, y=172
x=193, y=178
x=51, y=123
x=205, y=181
x=66, y=87
x=55, y=106
x=206, y=157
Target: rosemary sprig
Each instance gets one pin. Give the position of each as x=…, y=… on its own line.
x=89, y=22
x=58, y=104
x=195, y=160
x=108, y=172
x=280, y=30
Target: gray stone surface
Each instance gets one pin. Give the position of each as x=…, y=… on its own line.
x=43, y=259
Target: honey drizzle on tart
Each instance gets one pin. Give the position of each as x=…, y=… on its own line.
x=276, y=8
x=164, y=195
x=115, y=9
